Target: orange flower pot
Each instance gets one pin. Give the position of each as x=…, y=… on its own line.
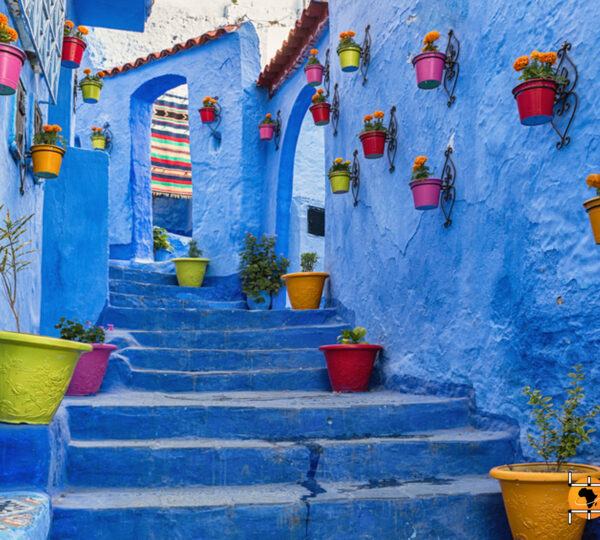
x=305, y=289
x=592, y=207
x=47, y=160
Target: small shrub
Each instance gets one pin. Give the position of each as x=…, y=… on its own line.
x=194, y=252
x=353, y=337
x=75, y=331
x=308, y=261
x=161, y=239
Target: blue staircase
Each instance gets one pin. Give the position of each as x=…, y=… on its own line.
x=222, y=425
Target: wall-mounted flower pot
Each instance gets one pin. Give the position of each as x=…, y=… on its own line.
x=161, y=255
x=99, y=143
x=72, y=52
x=314, y=74
x=266, y=131
x=11, y=62
x=535, y=100
x=373, y=143
x=592, y=207
x=340, y=181
x=190, y=271
x=90, y=370
x=320, y=112
x=90, y=90
x=255, y=305
x=305, y=289
x=350, y=366
x=35, y=372
x=349, y=57
x=426, y=193
x=429, y=67
x=47, y=159
x=207, y=115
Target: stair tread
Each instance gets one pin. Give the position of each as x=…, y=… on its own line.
x=224, y=372
x=280, y=328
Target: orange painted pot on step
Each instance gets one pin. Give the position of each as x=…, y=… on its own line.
x=47, y=160
x=305, y=289
x=592, y=207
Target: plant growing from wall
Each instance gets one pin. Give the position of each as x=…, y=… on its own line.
x=76, y=331
x=425, y=188
x=592, y=206
x=161, y=239
x=13, y=258
x=308, y=261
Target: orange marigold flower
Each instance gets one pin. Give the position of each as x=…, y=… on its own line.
x=314, y=98
x=82, y=30
x=56, y=129
x=534, y=55
x=420, y=160
x=101, y=74
x=69, y=24
x=431, y=37
x=350, y=33
x=320, y=91
x=415, y=167
x=338, y=160
x=343, y=35
x=87, y=71
x=347, y=162
x=368, y=118
x=520, y=63
x=3, y=19
x=593, y=181
x=548, y=58
x=12, y=33
x=314, y=52
x=47, y=128
x=268, y=115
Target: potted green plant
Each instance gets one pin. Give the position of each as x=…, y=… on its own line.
x=350, y=362
x=373, y=135
x=91, y=85
x=320, y=109
x=305, y=288
x=11, y=58
x=98, y=138
x=267, y=128
x=73, y=45
x=339, y=176
x=47, y=152
x=536, y=495
x=91, y=368
x=592, y=206
x=208, y=110
x=425, y=188
x=430, y=63
x=191, y=269
x=313, y=69
x=261, y=270
x=34, y=370
x=162, y=246
x=349, y=51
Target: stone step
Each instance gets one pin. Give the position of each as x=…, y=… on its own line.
x=458, y=508
x=285, y=415
x=137, y=301
x=206, y=292
x=215, y=462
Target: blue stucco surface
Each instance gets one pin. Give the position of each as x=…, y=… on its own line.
x=132, y=14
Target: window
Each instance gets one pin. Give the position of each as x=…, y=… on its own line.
x=316, y=221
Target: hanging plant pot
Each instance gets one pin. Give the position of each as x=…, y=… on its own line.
x=90, y=370
x=190, y=271
x=266, y=131
x=429, y=67
x=340, y=181
x=47, y=159
x=305, y=289
x=90, y=90
x=314, y=74
x=426, y=193
x=35, y=372
x=320, y=112
x=265, y=304
x=98, y=143
x=72, y=52
x=11, y=61
x=350, y=366
x=592, y=207
x=373, y=144
x=535, y=100
x=207, y=115
x=349, y=57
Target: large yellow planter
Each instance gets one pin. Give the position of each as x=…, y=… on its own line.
x=47, y=160
x=305, y=289
x=592, y=207
x=90, y=91
x=190, y=271
x=537, y=502
x=349, y=57
x=35, y=372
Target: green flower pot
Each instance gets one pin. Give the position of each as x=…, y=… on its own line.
x=98, y=143
x=190, y=271
x=90, y=91
x=340, y=181
x=349, y=57
x=35, y=372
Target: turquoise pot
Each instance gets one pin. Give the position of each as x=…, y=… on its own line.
x=259, y=306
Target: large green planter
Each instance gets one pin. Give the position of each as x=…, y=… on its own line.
x=190, y=271
x=349, y=57
x=35, y=372
x=90, y=91
x=340, y=181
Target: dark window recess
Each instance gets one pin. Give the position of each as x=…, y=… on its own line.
x=38, y=121
x=20, y=116
x=316, y=221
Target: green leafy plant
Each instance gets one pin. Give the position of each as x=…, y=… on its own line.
x=560, y=430
x=76, y=331
x=209, y=102
x=340, y=165
x=267, y=120
x=538, y=66
x=374, y=122
x=98, y=133
x=420, y=170
x=353, y=337
x=13, y=252
x=50, y=135
x=161, y=239
x=71, y=31
x=194, y=252
x=7, y=34
x=313, y=60
x=90, y=77
x=319, y=97
x=346, y=40
x=308, y=261
x=260, y=267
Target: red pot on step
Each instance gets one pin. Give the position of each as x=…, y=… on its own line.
x=350, y=366
x=373, y=143
x=535, y=100
x=320, y=112
x=72, y=52
x=207, y=115
x=90, y=370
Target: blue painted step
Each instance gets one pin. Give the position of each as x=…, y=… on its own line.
x=468, y=507
x=137, y=301
x=262, y=415
x=170, y=291
x=189, y=462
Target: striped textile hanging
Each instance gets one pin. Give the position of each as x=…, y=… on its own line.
x=170, y=147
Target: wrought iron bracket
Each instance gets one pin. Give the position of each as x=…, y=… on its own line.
x=213, y=126
x=327, y=73
x=392, y=139
x=109, y=137
x=448, y=194
x=452, y=67
x=365, y=55
x=566, y=100
x=277, y=131
x=335, y=110
x=355, y=177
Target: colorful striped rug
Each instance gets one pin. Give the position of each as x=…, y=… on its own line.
x=170, y=147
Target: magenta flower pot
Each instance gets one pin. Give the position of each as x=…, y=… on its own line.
x=429, y=67
x=426, y=193
x=90, y=370
x=11, y=62
x=314, y=74
x=266, y=131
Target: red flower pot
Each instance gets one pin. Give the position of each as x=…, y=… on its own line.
x=535, y=100
x=426, y=193
x=350, y=366
x=72, y=52
x=373, y=144
x=90, y=370
x=320, y=112
x=207, y=114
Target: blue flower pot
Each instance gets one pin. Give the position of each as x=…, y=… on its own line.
x=162, y=255
x=259, y=306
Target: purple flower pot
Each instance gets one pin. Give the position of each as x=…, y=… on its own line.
x=429, y=67
x=90, y=370
x=426, y=193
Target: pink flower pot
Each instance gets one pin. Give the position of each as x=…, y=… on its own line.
x=266, y=131
x=426, y=193
x=429, y=67
x=11, y=62
x=535, y=100
x=72, y=52
x=90, y=370
x=314, y=74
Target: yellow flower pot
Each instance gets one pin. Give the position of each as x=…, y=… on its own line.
x=190, y=271
x=349, y=58
x=35, y=372
x=537, y=502
x=47, y=159
x=305, y=289
x=99, y=143
x=90, y=90
x=592, y=207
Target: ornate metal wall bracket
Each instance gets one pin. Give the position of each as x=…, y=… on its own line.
x=214, y=125
x=23, y=169
x=327, y=73
x=355, y=177
x=566, y=99
x=452, y=67
x=365, y=55
x=277, y=131
x=335, y=110
x=392, y=139
x=108, y=134
x=448, y=194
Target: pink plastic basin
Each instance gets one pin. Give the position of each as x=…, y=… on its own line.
x=90, y=370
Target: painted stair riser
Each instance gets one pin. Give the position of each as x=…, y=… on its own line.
x=151, y=302
x=377, y=461
x=91, y=423
x=170, y=291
